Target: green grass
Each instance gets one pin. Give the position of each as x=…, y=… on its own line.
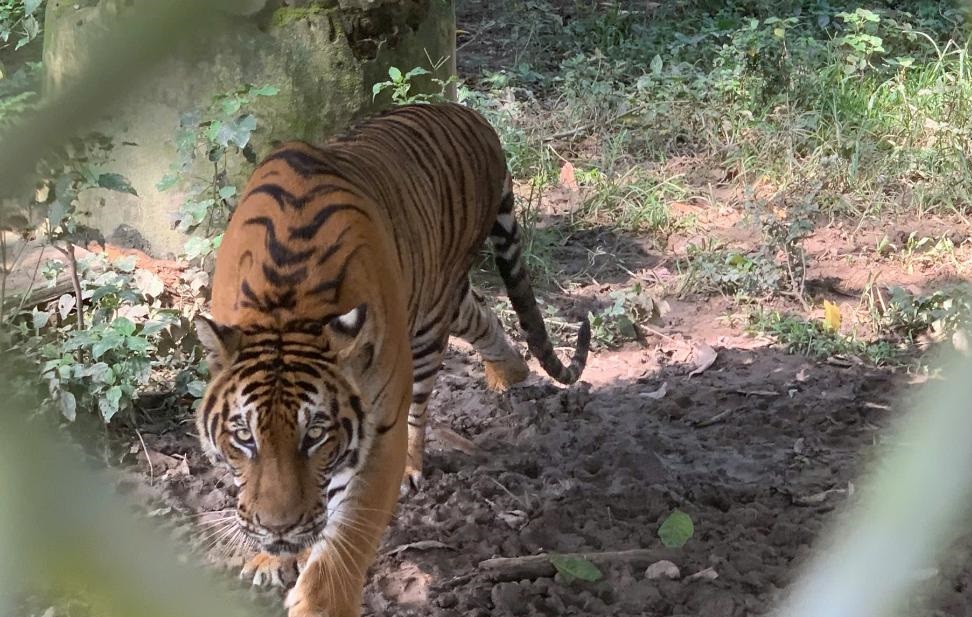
x=811, y=338
x=872, y=105
x=835, y=109
x=633, y=201
x=889, y=324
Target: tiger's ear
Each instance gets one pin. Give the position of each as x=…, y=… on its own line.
x=350, y=336
x=220, y=342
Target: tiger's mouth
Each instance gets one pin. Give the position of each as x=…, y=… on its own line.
x=278, y=547
x=292, y=542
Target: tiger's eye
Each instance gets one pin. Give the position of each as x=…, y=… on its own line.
x=243, y=435
x=315, y=432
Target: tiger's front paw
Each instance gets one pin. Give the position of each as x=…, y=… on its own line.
x=411, y=480
x=273, y=570
x=321, y=591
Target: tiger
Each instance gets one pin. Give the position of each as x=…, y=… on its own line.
x=340, y=277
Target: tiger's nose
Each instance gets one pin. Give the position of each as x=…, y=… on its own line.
x=277, y=525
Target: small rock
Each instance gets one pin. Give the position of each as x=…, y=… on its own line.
x=508, y=596
x=448, y=600
x=721, y=605
x=556, y=604
x=662, y=569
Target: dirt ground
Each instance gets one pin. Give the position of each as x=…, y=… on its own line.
x=762, y=449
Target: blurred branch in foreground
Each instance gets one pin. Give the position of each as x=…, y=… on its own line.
x=910, y=509
x=63, y=530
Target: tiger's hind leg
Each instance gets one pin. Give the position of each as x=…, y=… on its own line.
x=478, y=325
x=426, y=362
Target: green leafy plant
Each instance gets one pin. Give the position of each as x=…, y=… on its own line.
x=132, y=337
x=400, y=84
x=219, y=139
x=98, y=345
x=814, y=339
x=776, y=267
x=618, y=322
x=861, y=43
x=712, y=268
x=941, y=312
x=20, y=22
x=919, y=250
x=55, y=206
x=18, y=92
x=634, y=201
x=871, y=103
x=80, y=167
x=102, y=366
x=783, y=233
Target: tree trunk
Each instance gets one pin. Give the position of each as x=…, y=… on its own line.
x=323, y=55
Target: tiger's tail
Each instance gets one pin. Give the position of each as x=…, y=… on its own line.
x=507, y=251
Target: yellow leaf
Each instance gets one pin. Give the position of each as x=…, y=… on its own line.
x=831, y=318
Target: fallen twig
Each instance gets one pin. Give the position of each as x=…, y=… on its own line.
x=539, y=566
x=719, y=417
x=841, y=362
x=25, y=298
x=421, y=545
x=147, y=457
x=822, y=496
x=758, y=392
x=655, y=332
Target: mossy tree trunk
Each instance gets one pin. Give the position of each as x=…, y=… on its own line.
x=322, y=55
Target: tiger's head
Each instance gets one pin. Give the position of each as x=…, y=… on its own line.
x=283, y=412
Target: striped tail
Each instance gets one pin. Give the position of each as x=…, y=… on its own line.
x=507, y=250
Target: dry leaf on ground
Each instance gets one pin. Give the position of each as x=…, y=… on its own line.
x=832, y=316
x=704, y=356
x=451, y=440
x=656, y=394
x=568, y=179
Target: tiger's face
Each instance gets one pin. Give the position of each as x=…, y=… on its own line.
x=283, y=414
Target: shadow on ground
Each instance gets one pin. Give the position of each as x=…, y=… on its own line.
x=758, y=449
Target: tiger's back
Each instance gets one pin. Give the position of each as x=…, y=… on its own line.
x=346, y=266
x=403, y=174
